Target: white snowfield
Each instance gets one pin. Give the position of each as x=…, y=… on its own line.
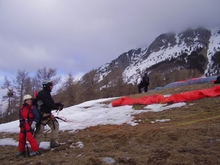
x=90, y=113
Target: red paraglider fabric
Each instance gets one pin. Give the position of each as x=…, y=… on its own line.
x=181, y=97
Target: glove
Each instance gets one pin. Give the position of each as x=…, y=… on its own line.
x=33, y=125
x=60, y=108
x=61, y=105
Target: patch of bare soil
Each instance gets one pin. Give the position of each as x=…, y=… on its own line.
x=191, y=136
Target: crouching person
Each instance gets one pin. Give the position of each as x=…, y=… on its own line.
x=29, y=117
x=45, y=104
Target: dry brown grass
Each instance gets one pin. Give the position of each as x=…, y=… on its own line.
x=192, y=136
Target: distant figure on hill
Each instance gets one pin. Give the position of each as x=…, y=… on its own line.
x=217, y=81
x=143, y=83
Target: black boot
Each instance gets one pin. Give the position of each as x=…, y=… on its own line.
x=21, y=154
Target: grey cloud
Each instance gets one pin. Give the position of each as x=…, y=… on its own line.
x=76, y=36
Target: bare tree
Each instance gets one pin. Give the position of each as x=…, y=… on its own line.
x=36, y=84
x=7, y=84
x=67, y=90
x=79, y=93
x=90, y=82
x=20, y=83
x=28, y=86
x=46, y=74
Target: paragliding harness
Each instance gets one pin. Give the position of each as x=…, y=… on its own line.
x=49, y=117
x=22, y=121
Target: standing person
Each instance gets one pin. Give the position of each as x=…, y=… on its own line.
x=45, y=104
x=146, y=82
x=139, y=84
x=29, y=117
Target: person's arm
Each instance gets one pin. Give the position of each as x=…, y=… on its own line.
x=48, y=101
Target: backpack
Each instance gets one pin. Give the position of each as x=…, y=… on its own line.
x=37, y=104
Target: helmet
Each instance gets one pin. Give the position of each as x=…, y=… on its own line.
x=47, y=83
x=27, y=97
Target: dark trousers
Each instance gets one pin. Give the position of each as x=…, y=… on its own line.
x=140, y=87
x=146, y=88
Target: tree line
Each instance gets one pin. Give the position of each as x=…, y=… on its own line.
x=23, y=84
x=70, y=92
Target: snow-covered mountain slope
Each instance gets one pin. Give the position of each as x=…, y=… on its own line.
x=192, y=49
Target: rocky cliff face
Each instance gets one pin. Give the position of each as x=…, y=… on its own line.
x=170, y=57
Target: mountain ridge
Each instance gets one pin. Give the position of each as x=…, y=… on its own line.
x=193, y=53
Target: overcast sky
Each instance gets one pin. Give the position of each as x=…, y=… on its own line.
x=76, y=36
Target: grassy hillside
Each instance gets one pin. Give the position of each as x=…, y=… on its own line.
x=192, y=136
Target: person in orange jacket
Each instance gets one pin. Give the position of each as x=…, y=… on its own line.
x=29, y=117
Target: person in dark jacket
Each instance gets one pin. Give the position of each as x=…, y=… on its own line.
x=29, y=117
x=217, y=81
x=45, y=104
x=146, y=82
x=143, y=83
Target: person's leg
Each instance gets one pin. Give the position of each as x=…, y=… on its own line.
x=139, y=89
x=21, y=142
x=21, y=145
x=54, y=126
x=146, y=88
x=39, y=134
x=32, y=141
